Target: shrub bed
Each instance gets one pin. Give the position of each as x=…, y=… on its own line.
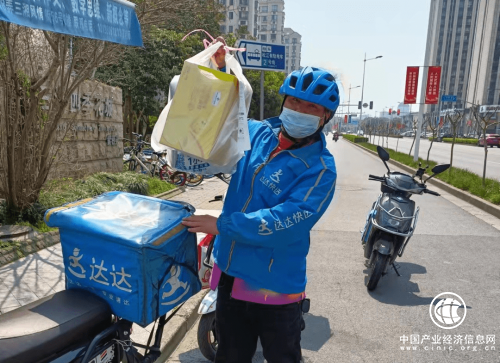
x=355, y=138
x=457, y=140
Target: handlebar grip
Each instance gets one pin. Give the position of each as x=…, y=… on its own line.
x=433, y=193
x=374, y=176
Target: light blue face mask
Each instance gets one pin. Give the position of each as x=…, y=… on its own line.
x=299, y=125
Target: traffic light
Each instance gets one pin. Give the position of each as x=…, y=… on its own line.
x=345, y=119
x=390, y=111
x=398, y=111
x=371, y=105
x=359, y=105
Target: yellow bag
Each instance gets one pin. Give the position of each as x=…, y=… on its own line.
x=202, y=102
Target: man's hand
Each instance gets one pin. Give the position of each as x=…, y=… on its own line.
x=205, y=224
x=220, y=56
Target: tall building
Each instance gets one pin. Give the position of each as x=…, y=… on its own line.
x=271, y=21
x=463, y=38
x=240, y=13
x=292, y=41
x=265, y=21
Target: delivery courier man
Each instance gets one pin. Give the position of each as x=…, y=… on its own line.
x=281, y=188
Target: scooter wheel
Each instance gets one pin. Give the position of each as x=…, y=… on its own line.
x=207, y=337
x=378, y=268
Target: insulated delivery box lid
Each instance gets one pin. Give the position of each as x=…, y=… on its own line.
x=131, y=250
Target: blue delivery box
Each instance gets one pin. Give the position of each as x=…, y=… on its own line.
x=131, y=250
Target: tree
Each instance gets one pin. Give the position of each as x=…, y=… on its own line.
x=272, y=100
x=39, y=71
x=454, y=117
x=482, y=121
x=415, y=129
x=144, y=74
x=37, y=77
x=434, y=127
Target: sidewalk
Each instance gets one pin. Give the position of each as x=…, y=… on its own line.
x=42, y=273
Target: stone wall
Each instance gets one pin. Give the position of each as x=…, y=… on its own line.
x=90, y=132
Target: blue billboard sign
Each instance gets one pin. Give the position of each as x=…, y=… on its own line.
x=261, y=56
x=109, y=20
x=449, y=98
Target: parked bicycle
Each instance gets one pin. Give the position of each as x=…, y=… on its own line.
x=148, y=161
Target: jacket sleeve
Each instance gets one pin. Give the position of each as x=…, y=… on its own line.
x=280, y=225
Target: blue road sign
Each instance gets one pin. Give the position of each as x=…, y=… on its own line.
x=449, y=98
x=261, y=56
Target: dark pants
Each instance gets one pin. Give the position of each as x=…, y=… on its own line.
x=239, y=325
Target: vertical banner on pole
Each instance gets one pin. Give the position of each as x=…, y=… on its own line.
x=411, y=85
x=432, y=89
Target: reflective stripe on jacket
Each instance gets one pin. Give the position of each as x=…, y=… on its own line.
x=270, y=208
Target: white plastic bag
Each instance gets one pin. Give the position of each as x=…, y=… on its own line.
x=233, y=138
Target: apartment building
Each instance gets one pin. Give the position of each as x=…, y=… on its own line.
x=265, y=21
x=271, y=21
x=240, y=13
x=293, y=43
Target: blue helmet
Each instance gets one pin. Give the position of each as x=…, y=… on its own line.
x=314, y=85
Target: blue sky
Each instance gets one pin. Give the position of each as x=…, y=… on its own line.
x=336, y=34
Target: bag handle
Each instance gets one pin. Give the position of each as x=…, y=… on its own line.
x=207, y=44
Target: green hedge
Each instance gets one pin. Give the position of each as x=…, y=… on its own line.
x=458, y=141
x=459, y=178
x=355, y=138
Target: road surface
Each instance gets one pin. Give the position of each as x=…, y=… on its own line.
x=456, y=248
x=464, y=156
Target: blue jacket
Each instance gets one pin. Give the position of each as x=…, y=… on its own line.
x=270, y=208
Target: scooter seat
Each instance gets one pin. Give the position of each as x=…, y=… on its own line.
x=47, y=327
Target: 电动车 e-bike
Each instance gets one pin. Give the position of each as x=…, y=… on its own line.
x=393, y=217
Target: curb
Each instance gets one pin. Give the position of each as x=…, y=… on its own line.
x=179, y=325
x=21, y=249
x=170, y=193
x=468, y=197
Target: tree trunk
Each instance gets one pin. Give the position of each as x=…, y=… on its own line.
x=485, y=158
x=429, y=151
x=130, y=118
x=412, y=143
x=451, y=155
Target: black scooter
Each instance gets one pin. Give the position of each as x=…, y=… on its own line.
x=393, y=218
x=72, y=326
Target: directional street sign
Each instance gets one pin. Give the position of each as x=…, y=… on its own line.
x=261, y=56
x=449, y=98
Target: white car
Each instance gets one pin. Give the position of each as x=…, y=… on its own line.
x=408, y=134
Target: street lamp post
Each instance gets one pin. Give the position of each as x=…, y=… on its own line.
x=363, y=87
x=349, y=102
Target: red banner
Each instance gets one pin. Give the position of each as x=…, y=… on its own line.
x=411, y=85
x=432, y=89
